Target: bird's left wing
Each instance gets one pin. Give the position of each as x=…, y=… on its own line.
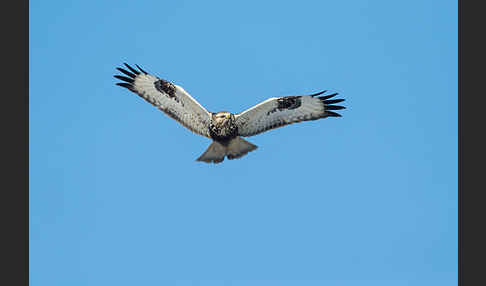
x=168, y=97
x=280, y=111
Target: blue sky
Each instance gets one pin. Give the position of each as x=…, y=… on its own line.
x=116, y=197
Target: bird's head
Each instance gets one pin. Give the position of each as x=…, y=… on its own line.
x=222, y=118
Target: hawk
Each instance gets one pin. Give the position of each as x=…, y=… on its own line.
x=225, y=128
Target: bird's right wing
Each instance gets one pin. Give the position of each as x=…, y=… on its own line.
x=168, y=97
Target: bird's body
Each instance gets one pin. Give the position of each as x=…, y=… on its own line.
x=225, y=128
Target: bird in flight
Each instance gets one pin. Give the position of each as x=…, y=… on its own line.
x=225, y=128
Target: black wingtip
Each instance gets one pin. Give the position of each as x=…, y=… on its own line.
x=319, y=93
x=329, y=104
x=332, y=101
x=327, y=96
x=126, y=85
x=334, y=107
x=124, y=78
x=141, y=69
x=127, y=72
x=132, y=69
x=333, y=114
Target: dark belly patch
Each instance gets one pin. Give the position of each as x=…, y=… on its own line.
x=223, y=134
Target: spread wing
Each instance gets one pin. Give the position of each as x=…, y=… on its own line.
x=280, y=111
x=168, y=97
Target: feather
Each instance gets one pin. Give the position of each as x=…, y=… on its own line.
x=141, y=69
x=327, y=96
x=132, y=69
x=333, y=114
x=319, y=93
x=334, y=107
x=331, y=101
x=124, y=78
x=127, y=72
x=124, y=84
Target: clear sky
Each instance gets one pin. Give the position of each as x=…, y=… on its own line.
x=117, y=198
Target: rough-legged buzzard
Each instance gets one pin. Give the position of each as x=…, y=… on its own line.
x=224, y=128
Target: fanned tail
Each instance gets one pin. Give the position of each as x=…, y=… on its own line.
x=236, y=148
x=214, y=154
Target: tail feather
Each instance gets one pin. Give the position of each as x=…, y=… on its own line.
x=214, y=154
x=236, y=148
